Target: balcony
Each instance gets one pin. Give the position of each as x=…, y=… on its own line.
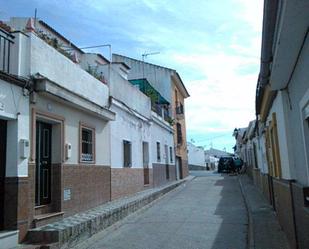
x=158, y=104
x=49, y=63
x=6, y=42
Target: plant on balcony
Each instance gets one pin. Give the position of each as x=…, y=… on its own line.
x=152, y=94
x=93, y=70
x=5, y=27
x=52, y=41
x=170, y=120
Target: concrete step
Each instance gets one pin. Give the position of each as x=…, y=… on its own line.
x=73, y=229
x=37, y=246
x=44, y=219
x=8, y=239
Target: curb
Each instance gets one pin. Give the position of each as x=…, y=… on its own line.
x=76, y=228
x=250, y=238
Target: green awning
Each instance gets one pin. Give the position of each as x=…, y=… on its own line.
x=145, y=87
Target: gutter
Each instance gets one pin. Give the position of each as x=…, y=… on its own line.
x=270, y=14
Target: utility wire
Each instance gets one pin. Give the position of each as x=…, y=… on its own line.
x=211, y=138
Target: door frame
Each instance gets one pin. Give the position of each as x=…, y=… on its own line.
x=53, y=119
x=43, y=167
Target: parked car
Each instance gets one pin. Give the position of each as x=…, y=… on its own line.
x=226, y=164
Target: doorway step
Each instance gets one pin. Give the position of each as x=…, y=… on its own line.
x=47, y=218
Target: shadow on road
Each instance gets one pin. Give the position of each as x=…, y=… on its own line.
x=231, y=210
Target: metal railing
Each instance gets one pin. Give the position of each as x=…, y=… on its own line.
x=6, y=40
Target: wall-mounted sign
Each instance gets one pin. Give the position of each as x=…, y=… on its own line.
x=1, y=106
x=67, y=194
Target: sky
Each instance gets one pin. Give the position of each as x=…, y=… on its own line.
x=213, y=44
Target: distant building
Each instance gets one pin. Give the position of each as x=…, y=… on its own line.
x=217, y=153
x=196, y=157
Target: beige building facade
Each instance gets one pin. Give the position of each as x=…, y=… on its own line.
x=179, y=94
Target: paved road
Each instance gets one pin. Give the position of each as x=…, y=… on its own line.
x=207, y=212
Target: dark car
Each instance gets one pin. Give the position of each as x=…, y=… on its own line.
x=226, y=164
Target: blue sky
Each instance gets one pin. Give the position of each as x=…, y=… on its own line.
x=213, y=44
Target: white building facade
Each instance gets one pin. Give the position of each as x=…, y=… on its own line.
x=196, y=157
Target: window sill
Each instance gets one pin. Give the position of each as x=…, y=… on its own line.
x=87, y=162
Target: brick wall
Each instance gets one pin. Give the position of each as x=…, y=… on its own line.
x=127, y=181
x=289, y=203
x=301, y=216
x=284, y=209
x=89, y=185
x=159, y=174
x=185, y=168
x=16, y=205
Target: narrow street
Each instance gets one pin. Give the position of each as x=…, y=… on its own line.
x=207, y=212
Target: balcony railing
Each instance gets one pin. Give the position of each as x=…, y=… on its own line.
x=6, y=40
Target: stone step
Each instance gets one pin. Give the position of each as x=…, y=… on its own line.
x=71, y=230
x=9, y=239
x=44, y=219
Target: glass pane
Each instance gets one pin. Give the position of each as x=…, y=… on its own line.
x=45, y=143
x=87, y=146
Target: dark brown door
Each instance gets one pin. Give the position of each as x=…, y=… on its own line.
x=3, y=134
x=180, y=168
x=167, y=170
x=43, y=163
x=146, y=162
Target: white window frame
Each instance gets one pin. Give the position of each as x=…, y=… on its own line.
x=82, y=127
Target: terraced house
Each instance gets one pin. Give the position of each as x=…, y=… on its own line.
x=75, y=131
x=169, y=106
x=280, y=136
x=65, y=140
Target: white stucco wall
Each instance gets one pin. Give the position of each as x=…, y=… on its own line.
x=73, y=117
x=196, y=155
x=298, y=92
x=15, y=109
x=131, y=128
x=51, y=64
x=261, y=154
x=159, y=77
x=20, y=55
x=160, y=133
x=125, y=92
x=278, y=107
